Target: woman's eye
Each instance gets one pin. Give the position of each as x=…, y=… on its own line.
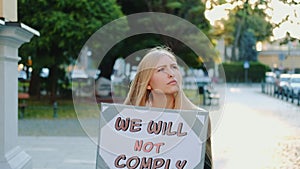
x=160, y=69
x=175, y=67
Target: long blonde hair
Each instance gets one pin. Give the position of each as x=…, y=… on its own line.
x=138, y=94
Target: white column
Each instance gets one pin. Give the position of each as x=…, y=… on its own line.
x=12, y=36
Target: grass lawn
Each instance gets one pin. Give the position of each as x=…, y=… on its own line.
x=43, y=109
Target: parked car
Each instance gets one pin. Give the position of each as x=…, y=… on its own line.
x=270, y=77
x=294, y=86
x=282, y=85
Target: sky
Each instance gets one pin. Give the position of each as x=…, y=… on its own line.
x=280, y=11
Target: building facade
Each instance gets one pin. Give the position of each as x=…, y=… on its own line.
x=282, y=57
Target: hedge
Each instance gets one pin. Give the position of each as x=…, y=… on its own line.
x=235, y=72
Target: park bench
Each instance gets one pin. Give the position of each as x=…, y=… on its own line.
x=22, y=97
x=213, y=97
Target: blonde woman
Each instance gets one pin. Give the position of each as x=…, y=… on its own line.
x=158, y=84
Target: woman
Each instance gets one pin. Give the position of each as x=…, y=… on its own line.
x=158, y=84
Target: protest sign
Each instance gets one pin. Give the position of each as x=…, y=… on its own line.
x=144, y=137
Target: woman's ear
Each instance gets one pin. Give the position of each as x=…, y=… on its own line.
x=149, y=87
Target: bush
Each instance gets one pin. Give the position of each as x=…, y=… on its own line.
x=235, y=72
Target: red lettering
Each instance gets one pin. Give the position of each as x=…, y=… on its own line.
x=158, y=162
x=154, y=127
x=167, y=166
x=164, y=128
x=120, y=157
x=147, y=147
x=180, y=165
x=133, y=124
x=150, y=147
x=133, y=162
x=179, y=133
x=169, y=128
x=138, y=145
x=158, y=145
x=124, y=124
x=146, y=163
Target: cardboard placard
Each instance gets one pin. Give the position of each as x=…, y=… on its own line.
x=143, y=137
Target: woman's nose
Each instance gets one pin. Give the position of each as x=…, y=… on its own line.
x=170, y=73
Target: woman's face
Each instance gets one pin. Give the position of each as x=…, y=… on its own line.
x=166, y=77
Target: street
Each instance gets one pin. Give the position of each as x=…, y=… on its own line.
x=257, y=131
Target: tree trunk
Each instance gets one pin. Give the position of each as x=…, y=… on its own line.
x=236, y=41
x=226, y=57
x=53, y=77
x=149, y=5
x=233, y=54
x=35, y=83
x=106, y=66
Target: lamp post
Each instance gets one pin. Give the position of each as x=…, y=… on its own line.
x=246, y=68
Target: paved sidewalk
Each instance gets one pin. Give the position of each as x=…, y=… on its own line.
x=52, y=127
x=257, y=131
x=60, y=152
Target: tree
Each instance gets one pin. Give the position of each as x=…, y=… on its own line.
x=244, y=17
x=192, y=10
x=64, y=25
x=247, y=49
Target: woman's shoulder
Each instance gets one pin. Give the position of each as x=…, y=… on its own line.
x=201, y=109
x=194, y=107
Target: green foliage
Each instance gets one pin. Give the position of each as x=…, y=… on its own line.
x=257, y=71
x=249, y=16
x=257, y=23
x=235, y=72
x=192, y=11
x=247, y=47
x=64, y=26
x=174, y=5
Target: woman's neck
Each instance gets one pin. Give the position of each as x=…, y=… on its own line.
x=162, y=101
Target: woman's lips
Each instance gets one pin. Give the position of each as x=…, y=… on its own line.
x=172, y=82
